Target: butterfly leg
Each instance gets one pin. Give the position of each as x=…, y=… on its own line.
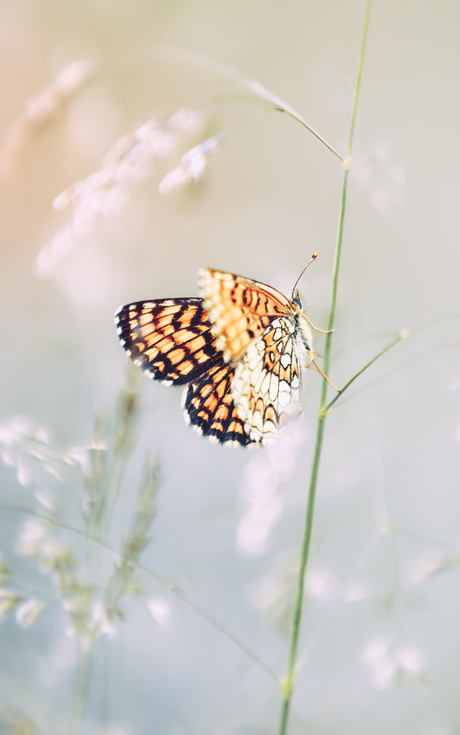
x=312, y=358
x=317, y=329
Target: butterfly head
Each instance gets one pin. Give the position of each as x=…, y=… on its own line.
x=296, y=300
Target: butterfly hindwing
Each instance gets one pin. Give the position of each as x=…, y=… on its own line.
x=266, y=386
x=170, y=339
x=209, y=407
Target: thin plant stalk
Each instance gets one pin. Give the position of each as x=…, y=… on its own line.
x=82, y=681
x=288, y=682
x=253, y=86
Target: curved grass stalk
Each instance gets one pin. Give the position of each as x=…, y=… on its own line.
x=403, y=334
x=288, y=682
x=252, y=85
x=103, y=545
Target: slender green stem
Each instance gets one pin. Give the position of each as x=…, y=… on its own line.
x=362, y=50
x=82, y=680
x=304, y=554
x=288, y=682
x=335, y=280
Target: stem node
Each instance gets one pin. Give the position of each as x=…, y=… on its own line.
x=286, y=687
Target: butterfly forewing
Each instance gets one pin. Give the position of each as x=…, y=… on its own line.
x=239, y=309
x=170, y=339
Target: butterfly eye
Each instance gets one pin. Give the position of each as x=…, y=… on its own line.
x=296, y=300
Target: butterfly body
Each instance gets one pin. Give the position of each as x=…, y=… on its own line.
x=239, y=349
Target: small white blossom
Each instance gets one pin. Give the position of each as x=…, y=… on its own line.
x=15, y=430
x=73, y=76
x=23, y=445
x=46, y=500
x=88, y=617
x=160, y=610
x=192, y=166
x=32, y=536
x=102, y=194
x=319, y=583
x=23, y=471
x=42, y=109
x=432, y=563
x=102, y=625
x=262, y=477
x=29, y=611
x=388, y=663
x=55, y=556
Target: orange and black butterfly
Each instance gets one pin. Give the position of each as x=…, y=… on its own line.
x=238, y=349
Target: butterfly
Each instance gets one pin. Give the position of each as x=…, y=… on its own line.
x=239, y=350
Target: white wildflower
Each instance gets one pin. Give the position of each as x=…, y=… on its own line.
x=46, y=500
x=388, y=662
x=55, y=556
x=432, y=563
x=32, y=536
x=29, y=611
x=73, y=76
x=319, y=583
x=160, y=610
x=15, y=430
x=8, y=457
x=262, y=477
x=23, y=471
x=101, y=623
x=102, y=194
x=41, y=110
x=88, y=618
x=21, y=442
x=192, y=166
x=78, y=455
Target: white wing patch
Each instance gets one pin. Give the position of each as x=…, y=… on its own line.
x=266, y=385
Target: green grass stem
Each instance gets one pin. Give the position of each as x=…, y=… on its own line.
x=288, y=682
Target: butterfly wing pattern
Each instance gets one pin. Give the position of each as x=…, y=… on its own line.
x=238, y=349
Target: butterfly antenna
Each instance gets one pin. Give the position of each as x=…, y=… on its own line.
x=313, y=257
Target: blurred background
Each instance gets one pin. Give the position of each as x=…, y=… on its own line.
x=380, y=635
